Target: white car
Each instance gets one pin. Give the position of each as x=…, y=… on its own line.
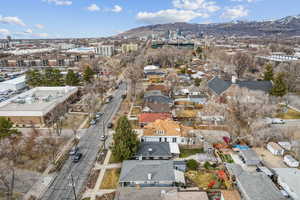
x=278, y=121
x=275, y=121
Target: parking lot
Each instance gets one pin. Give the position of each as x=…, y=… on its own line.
x=269, y=159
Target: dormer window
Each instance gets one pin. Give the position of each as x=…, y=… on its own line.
x=160, y=132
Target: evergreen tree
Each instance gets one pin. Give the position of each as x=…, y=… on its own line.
x=125, y=140
x=6, y=128
x=88, y=74
x=197, y=82
x=52, y=77
x=34, y=78
x=268, y=74
x=279, y=88
x=72, y=79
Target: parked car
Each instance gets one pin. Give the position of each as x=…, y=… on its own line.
x=103, y=137
x=99, y=114
x=109, y=99
x=77, y=157
x=73, y=151
x=93, y=122
x=110, y=125
x=277, y=121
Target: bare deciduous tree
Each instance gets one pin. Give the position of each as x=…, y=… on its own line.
x=245, y=112
x=242, y=62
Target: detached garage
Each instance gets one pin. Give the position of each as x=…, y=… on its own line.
x=275, y=149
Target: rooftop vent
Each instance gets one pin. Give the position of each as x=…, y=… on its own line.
x=149, y=176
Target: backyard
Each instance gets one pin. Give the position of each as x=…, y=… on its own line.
x=206, y=179
x=110, y=179
x=185, y=152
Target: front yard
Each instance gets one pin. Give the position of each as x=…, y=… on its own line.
x=110, y=179
x=290, y=114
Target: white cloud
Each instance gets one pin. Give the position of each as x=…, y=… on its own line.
x=60, y=2
x=12, y=20
x=4, y=32
x=168, y=16
x=117, y=9
x=93, y=7
x=235, y=12
x=28, y=31
x=203, y=5
x=39, y=26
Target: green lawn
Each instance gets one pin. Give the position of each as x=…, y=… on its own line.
x=112, y=159
x=290, y=114
x=188, y=152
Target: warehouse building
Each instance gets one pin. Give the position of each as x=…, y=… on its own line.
x=38, y=106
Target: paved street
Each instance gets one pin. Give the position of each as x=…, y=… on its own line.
x=61, y=188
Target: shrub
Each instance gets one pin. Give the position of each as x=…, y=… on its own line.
x=192, y=165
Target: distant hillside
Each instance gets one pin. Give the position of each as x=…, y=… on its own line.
x=288, y=26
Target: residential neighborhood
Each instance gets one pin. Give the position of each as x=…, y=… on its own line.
x=168, y=110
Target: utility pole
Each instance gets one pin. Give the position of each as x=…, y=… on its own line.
x=73, y=187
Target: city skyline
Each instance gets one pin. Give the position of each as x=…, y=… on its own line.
x=95, y=18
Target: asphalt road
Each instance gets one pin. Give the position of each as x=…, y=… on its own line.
x=89, y=145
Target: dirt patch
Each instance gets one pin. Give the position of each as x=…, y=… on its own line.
x=74, y=121
x=93, y=179
x=109, y=196
x=269, y=159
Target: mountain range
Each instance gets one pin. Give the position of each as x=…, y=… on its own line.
x=287, y=26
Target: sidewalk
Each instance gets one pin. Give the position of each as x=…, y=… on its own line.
x=96, y=191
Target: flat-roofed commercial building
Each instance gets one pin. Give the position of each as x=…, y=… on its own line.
x=13, y=84
x=105, y=50
x=38, y=106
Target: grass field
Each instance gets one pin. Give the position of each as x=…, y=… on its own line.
x=290, y=114
x=110, y=179
x=188, y=152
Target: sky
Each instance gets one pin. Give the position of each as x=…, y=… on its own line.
x=101, y=18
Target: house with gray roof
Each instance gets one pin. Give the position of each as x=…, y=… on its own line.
x=249, y=157
x=157, y=151
x=219, y=86
x=289, y=180
x=257, y=186
x=155, y=96
x=150, y=173
x=253, y=185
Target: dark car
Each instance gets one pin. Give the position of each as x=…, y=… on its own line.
x=110, y=125
x=73, y=151
x=77, y=157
